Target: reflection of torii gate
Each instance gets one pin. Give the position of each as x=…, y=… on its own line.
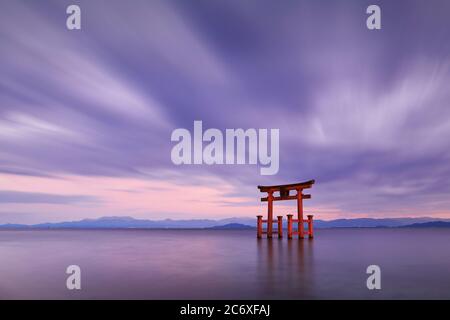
x=284, y=194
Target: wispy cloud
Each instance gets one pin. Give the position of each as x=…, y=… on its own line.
x=364, y=113
x=34, y=197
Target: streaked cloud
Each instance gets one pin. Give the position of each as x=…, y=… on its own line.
x=35, y=197
x=364, y=113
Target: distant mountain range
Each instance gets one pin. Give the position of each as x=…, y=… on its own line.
x=229, y=223
x=431, y=224
x=129, y=222
x=232, y=226
x=377, y=223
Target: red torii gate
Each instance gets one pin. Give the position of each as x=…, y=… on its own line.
x=284, y=194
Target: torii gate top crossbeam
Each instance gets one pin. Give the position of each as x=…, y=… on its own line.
x=284, y=190
x=282, y=187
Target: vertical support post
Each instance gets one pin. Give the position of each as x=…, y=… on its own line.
x=310, y=226
x=289, y=228
x=259, y=227
x=280, y=226
x=300, y=213
x=270, y=214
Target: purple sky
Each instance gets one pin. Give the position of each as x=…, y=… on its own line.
x=86, y=116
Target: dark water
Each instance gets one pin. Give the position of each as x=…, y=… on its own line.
x=185, y=264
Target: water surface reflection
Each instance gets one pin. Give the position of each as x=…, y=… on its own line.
x=215, y=264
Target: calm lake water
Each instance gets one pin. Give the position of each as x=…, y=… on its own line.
x=212, y=264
